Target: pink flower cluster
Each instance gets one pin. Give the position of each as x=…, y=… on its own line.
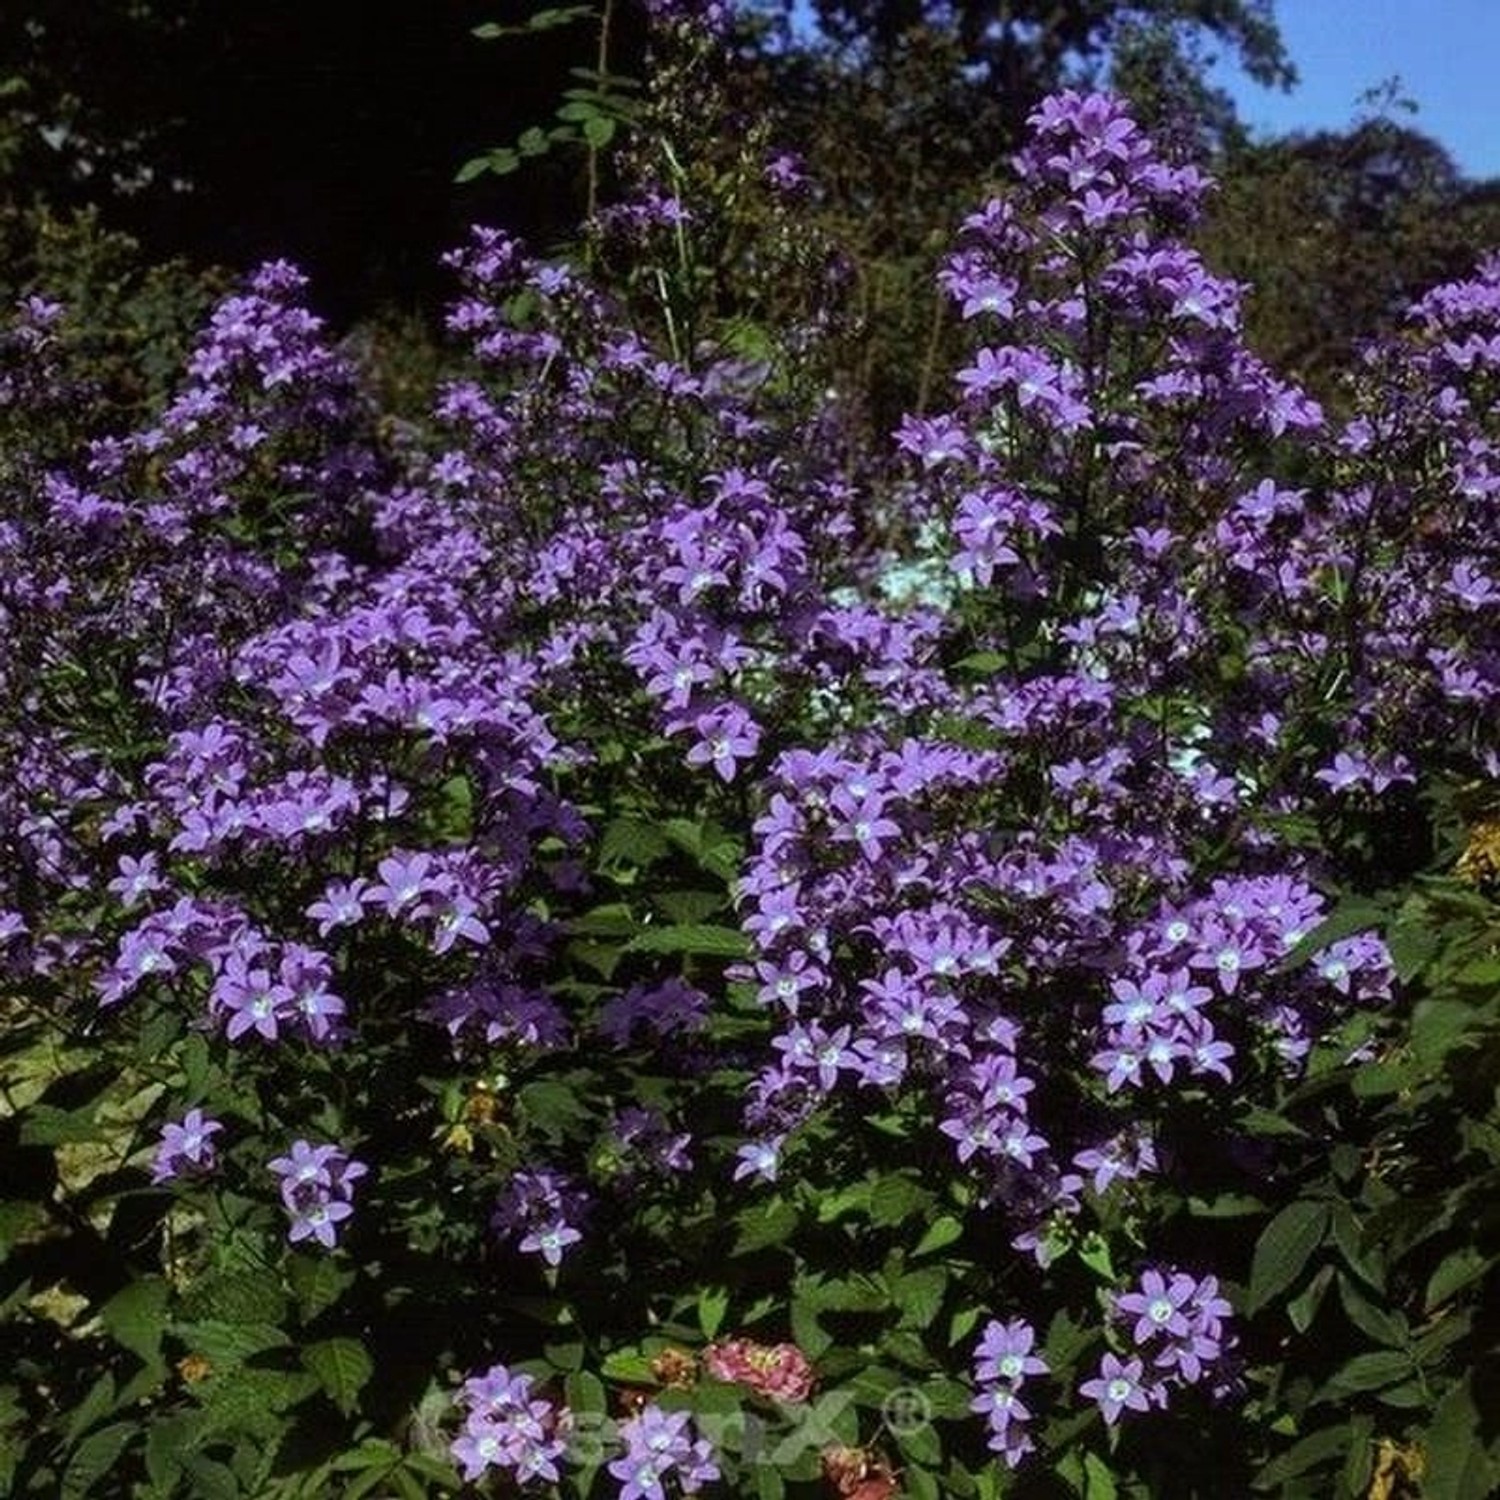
x=780, y=1372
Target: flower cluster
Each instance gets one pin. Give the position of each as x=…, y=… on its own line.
x=509, y=1428
x=317, y=1189
x=660, y=1445
x=1003, y=1362
x=326, y=750
x=187, y=1148
x=1177, y=1327
x=780, y=1372
x=540, y=1210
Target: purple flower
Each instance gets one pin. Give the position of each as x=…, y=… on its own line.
x=317, y=1186
x=1179, y=1322
x=137, y=878
x=1004, y=1352
x=1117, y=1387
x=660, y=1444
x=186, y=1148
x=758, y=1159
x=341, y=905
x=509, y=1428
x=537, y=1209
x=727, y=735
x=253, y=999
x=405, y=881
x=1157, y=1306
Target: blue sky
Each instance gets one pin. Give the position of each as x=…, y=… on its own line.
x=1446, y=52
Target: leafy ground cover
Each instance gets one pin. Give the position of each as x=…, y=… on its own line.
x=620, y=940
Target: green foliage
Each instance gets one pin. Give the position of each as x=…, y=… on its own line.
x=598, y=106
x=1384, y=1261
x=130, y=323
x=1336, y=232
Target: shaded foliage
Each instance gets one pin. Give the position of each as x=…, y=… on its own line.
x=1337, y=231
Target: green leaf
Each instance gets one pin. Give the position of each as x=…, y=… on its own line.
x=1363, y=1261
x=715, y=850
x=47, y=1125
x=236, y=1297
x=1461, y=1463
x=694, y=938
x=919, y=1295
x=372, y=1453
x=1368, y=1372
x=1479, y=973
x=197, y=1061
x=630, y=840
x=136, y=1316
x=768, y=1483
x=1412, y=946
x=554, y=1106
x=1359, y=1456
x=1384, y=1327
x=1225, y=1206
x=1309, y=1452
x=364, y=1483
x=895, y=1197
x=612, y=920
x=853, y=1197
x=561, y=15
x=18, y=1218
x=1440, y=1026
x=1098, y=1481
x=1267, y=1123
x=1094, y=1252
x=317, y=1283
x=982, y=663
x=920, y=1445
x=585, y=1392
x=690, y=907
x=920, y=1483
x=1284, y=1248
x=599, y=131
x=433, y=1469
x=948, y=1399
x=543, y=20
x=1303, y=1308
x=230, y=1343
x=713, y=1303
x=100, y=1401
x=567, y=1356
x=248, y=1402
x=628, y=1366
x=941, y=1233
x=963, y=1323
x=343, y=1368
x=1454, y=1272
x=95, y=1457
x=807, y=1333
x=168, y=1439
x=211, y=1480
